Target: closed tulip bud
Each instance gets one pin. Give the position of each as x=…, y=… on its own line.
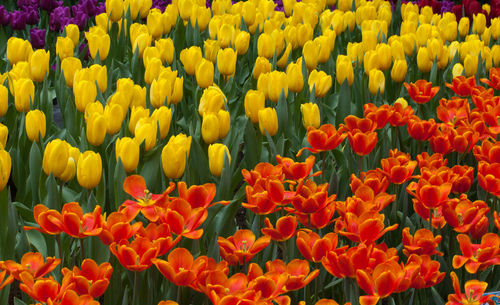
x=190, y=58
x=85, y=92
x=113, y=115
x=73, y=32
x=185, y=8
x=24, y=94
x=263, y=84
x=369, y=40
x=211, y=48
x=254, y=101
x=96, y=129
x=305, y=33
x=450, y=32
x=149, y=54
x=423, y=62
x=212, y=100
x=70, y=170
x=266, y=46
x=136, y=114
x=4, y=100
x=152, y=70
x=311, y=54
x=64, y=47
x=278, y=83
x=457, y=70
x=154, y=23
x=385, y=56
x=262, y=65
x=89, y=169
x=371, y=61
x=93, y=107
x=18, y=50
x=174, y=156
x=55, y=151
x=177, y=91
x=248, y=12
x=163, y=117
x=138, y=96
x=205, y=73
x=5, y=167
x=210, y=128
x=100, y=75
x=200, y=15
x=479, y=23
x=69, y=66
x=98, y=41
x=320, y=81
x=376, y=81
x=226, y=35
x=268, y=121
x=4, y=134
x=399, y=69
x=294, y=77
x=216, y=154
x=224, y=123
x=145, y=131
x=166, y=48
x=324, y=47
x=463, y=26
x=345, y=70
x=127, y=150
x=145, y=8
x=241, y=42
x=142, y=41
x=226, y=61
x=310, y=115
x=35, y=125
x=283, y=61
x=114, y=9
x=409, y=43
x=39, y=64
x=397, y=50
x=470, y=65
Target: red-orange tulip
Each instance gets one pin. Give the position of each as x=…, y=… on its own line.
x=385, y=279
x=422, y=243
x=323, y=139
x=31, y=262
x=488, y=175
x=199, y=195
x=421, y=91
x=241, y=247
x=182, y=219
x=362, y=143
x=353, y=123
x=366, y=228
x=296, y=170
x=91, y=279
x=285, y=228
x=373, y=179
x=421, y=129
x=50, y=221
x=454, y=110
x=400, y=115
x=160, y=235
x=474, y=292
x=180, y=268
x=135, y=255
x=462, y=86
x=494, y=81
x=117, y=227
x=466, y=216
x=380, y=115
x=478, y=256
x=313, y=248
x=44, y=290
x=424, y=271
x=398, y=167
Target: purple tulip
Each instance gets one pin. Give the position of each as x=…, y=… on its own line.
x=49, y=5
x=4, y=16
x=37, y=38
x=32, y=15
x=18, y=20
x=59, y=18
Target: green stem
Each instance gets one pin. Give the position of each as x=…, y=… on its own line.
x=82, y=249
x=58, y=241
x=179, y=295
x=136, y=288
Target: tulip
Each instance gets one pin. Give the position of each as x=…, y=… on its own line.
x=163, y=116
x=153, y=68
x=4, y=100
x=114, y=9
x=145, y=131
x=320, y=81
x=18, y=50
x=166, y=48
x=89, y=169
x=370, y=61
x=277, y=83
x=73, y=32
x=294, y=77
x=127, y=150
x=70, y=169
x=311, y=54
x=470, y=65
x=154, y=23
x=310, y=115
x=266, y=46
x=423, y=62
x=85, y=93
x=212, y=100
x=55, y=151
x=64, y=47
x=254, y=102
x=463, y=26
x=5, y=167
x=96, y=129
x=24, y=94
x=399, y=69
x=174, y=156
x=210, y=128
x=376, y=82
x=119, y=99
x=35, y=125
x=345, y=71
x=39, y=64
x=100, y=75
x=141, y=42
x=69, y=66
x=326, y=47
x=190, y=58
x=262, y=65
x=421, y=91
x=268, y=121
x=100, y=41
x=216, y=155
x=136, y=114
x=226, y=35
x=226, y=61
x=224, y=123
x=4, y=134
x=211, y=48
x=113, y=115
x=305, y=33
x=205, y=73
x=241, y=247
x=241, y=42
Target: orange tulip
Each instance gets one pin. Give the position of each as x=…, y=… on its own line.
x=422, y=243
x=478, y=257
x=385, y=279
x=398, y=167
x=421, y=91
x=474, y=292
x=400, y=114
x=44, y=289
x=199, y=195
x=91, y=279
x=182, y=219
x=374, y=179
x=117, y=227
x=431, y=194
x=50, y=221
x=362, y=143
x=488, y=175
x=136, y=255
x=323, y=139
x=353, y=123
x=285, y=228
x=494, y=80
x=453, y=110
x=31, y=262
x=421, y=129
x=296, y=170
x=424, y=271
x=313, y=248
x=160, y=235
x=366, y=228
x=241, y=247
x=379, y=115
x=180, y=268
x=462, y=86
x=466, y=216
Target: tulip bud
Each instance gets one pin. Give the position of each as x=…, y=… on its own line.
x=310, y=115
x=96, y=129
x=64, y=47
x=89, y=169
x=98, y=40
x=4, y=100
x=140, y=43
x=55, y=152
x=277, y=83
x=154, y=23
x=226, y=61
x=127, y=150
x=70, y=170
x=241, y=42
x=100, y=75
x=145, y=131
x=5, y=167
x=211, y=48
x=163, y=117
x=226, y=35
x=305, y=33
x=470, y=65
x=85, y=92
x=345, y=70
x=24, y=94
x=268, y=121
x=166, y=48
x=479, y=23
x=113, y=115
x=210, y=128
x=190, y=58
x=114, y=9
x=93, y=107
x=224, y=123
x=216, y=155
x=376, y=81
x=18, y=50
x=136, y=114
x=69, y=66
x=249, y=12
x=457, y=70
x=212, y=100
x=320, y=81
x=399, y=69
x=35, y=125
x=262, y=65
x=73, y=32
x=463, y=26
x=294, y=77
x=145, y=8
x=39, y=64
x=153, y=69
x=423, y=62
x=265, y=46
x=4, y=134
x=205, y=73
x=174, y=156
x=384, y=55
x=254, y=101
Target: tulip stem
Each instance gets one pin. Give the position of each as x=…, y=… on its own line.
x=58, y=241
x=179, y=294
x=82, y=249
x=61, y=192
x=136, y=288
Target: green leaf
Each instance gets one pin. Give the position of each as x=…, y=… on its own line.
x=282, y=112
x=37, y=240
x=35, y=165
x=344, y=104
x=52, y=199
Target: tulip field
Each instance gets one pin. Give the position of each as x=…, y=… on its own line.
x=314, y=152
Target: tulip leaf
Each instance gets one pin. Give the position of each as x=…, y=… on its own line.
x=253, y=144
x=151, y=170
x=433, y=76
x=344, y=103
x=35, y=166
x=52, y=199
x=272, y=146
x=37, y=240
x=224, y=187
x=282, y=112
x=18, y=301
x=101, y=190
x=438, y=300
x=4, y=218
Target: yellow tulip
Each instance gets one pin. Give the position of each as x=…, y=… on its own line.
x=145, y=7
x=423, y=62
x=304, y=33
x=174, y=156
x=479, y=23
x=470, y=65
x=136, y=114
x=138, y=96
x=190, y=58
x=345, y=70
x=96, y=129
x=64, y=47
x=384, y=54
x=89, y=169
x=154, y=23
x=321, y=83
x=463, y=26
x=294, y=77
x=166, y=48
x=120, y=99
x=73, y=32
x=212, y=100
x=397, y=50
x=145, y=131
x=149, y=54
x=278, y=83
x=113, y=115
x=142, y=41
x=205, y=73
x=311, y=54
x=268, y=121
x=93, y=107
x=163, y=117
x=211, y=48
x=371, y=61
x=226, y=35
x=4, y=100
x=185, y=7
x=98, y=41
x=254, y=101
x=18, y=50
x=35, y=124
x=376, y=82
x=263, y=84
x=5, y=167
x=24, y=94
x=325, y=47
x=310, y=115
x=216, y=156
x=69, y=66
x=200, y=15
x=399, y=69
x=226, y=61
x=55, y=152
x=224, y=123
x=4, y=134
x=266, y=46
x=241, y=42
x=249, y=12
x=283, y=61
x=39, y=64
x=369, y=40
x=127, y=150
x=100, y=75
x=210, y=128
x=457, y=70
x=85, y=92
x=114, y=9
x=262, y=65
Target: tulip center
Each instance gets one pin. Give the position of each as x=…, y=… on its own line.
x=146, y=200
